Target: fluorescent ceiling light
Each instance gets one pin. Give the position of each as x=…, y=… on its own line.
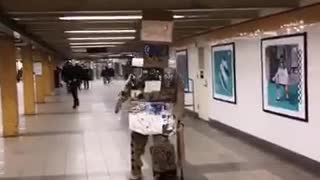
x=114, y=55
x=103, y=38
x=79, y=50
x=96, y=43
x=102, y=31
x=83, y=47
x=79, y=18
x=178, y=17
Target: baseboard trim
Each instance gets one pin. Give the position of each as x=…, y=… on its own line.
x=299, y=160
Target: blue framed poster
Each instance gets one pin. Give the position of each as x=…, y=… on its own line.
x=284, y=76
x=224, y=73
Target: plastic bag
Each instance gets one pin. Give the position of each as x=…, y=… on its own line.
x=149, y=118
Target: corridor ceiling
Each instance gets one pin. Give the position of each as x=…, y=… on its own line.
x=50, y=20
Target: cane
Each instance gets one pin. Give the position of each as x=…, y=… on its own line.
x=180, y=149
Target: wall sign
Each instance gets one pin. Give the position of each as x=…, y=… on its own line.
x=37, y=68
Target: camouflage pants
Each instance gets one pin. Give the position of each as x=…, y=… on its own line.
x=162, y=152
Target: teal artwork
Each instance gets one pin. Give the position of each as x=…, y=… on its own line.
x=223, y=74
x=277, y=97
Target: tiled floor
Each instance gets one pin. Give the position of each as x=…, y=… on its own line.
x=92, y=143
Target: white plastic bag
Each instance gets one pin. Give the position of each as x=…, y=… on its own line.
x=149, y=118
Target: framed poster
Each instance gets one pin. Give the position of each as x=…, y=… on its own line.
x=284, y=76
x=183, y=67
x=224, y=73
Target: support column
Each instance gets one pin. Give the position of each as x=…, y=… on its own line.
x=40, y=92
x=28, y=81
x=8, y=81
x=46, y=75
x=52, y=67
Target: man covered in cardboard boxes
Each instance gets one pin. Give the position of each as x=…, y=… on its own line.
x=156, y=96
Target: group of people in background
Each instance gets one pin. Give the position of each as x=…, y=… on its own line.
x=74, y=75
x=107, y=74
x=19, y=75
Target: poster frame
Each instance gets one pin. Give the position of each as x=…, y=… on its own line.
x=233, y=45
x=305, y=46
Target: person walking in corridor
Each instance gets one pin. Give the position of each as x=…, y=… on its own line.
x=66, y=74
x=74, y=82
x=105, y=75
x=74, y=85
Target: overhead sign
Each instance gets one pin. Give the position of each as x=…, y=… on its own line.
x=97, y=50
x=157, y=31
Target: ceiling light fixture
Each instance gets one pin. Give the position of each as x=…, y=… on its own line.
x=103, y=38
x=178, y=17
x=81, y=18
x=84, y=47
x=79, y=50
x=101, y=31
x=96, y=43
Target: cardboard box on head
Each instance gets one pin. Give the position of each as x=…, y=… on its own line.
x=156, y=55
x=155, y=62
x=157, y=26
x=156, y=34
x=150, y=62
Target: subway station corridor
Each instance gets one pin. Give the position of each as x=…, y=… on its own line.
x=245, y=75
x=92, y=143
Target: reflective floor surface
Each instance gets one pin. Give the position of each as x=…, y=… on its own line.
x=92, y=143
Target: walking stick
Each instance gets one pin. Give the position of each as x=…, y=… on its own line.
x=180, y=149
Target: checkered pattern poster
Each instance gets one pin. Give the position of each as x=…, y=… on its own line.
x=284, y=69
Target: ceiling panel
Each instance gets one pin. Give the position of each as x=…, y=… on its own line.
x=41, y=17
x=103, y=5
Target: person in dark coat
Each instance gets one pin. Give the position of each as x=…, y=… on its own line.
x=67, y=74
x=78, y=72
x=104, y=75
x=74, y=81
x=71, y=75
x=110, y=73
x=86, y=77
x=19, y=75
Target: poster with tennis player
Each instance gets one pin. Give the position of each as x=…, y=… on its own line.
x=223, y=72
x=284, y=69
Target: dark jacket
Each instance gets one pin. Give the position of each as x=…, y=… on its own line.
x=110, y=72
x=87, y=74
x=104, y=72
x=77, y=72
x=67, y=72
